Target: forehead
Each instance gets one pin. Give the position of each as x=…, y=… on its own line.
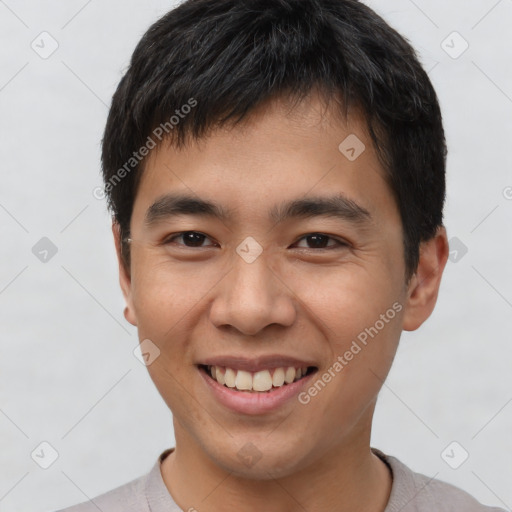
x=279, y=151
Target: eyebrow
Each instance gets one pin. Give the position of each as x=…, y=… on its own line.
x=337, y=206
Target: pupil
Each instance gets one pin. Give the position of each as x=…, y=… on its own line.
x=319, y=240
x=189, y=237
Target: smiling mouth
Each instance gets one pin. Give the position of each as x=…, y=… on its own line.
x=264, y=381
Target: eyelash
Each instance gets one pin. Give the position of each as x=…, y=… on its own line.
x=339, y=243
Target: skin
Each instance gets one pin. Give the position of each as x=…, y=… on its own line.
x=294, y=299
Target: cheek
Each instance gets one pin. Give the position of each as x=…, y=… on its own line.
x=359, y=315
x=166, y=293
x=346, y=299
x=165, y=298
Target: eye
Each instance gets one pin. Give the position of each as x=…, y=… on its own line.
x=320, y=240
x=190, y=238
x=196, y=239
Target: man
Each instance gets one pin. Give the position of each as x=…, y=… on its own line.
x=276, y=174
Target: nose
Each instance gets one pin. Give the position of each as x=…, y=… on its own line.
x=251, y=297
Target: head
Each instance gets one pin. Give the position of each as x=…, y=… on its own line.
x=299, y=146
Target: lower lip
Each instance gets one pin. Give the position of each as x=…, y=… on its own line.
x=257, y=402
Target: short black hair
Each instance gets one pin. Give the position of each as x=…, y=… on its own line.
x=210, y=62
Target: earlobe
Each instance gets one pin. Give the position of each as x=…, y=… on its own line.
x=424, y=286
x=124, y=277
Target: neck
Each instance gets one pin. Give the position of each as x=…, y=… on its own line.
x=350, y=478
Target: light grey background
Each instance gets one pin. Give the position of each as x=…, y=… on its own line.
x=68, y=375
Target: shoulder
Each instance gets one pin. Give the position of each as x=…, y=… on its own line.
x=447, y=497
x=142, y=494
x=125, y=498
x=415, y=492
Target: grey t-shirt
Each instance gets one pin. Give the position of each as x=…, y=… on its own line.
x=410, y=492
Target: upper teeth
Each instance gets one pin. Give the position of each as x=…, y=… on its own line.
x=257, y=381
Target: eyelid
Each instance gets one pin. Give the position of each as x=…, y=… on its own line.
x=169, y=239
x=339, y=241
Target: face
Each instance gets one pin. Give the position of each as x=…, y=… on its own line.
x=296, y=262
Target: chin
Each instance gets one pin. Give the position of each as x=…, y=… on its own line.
x=257, y=459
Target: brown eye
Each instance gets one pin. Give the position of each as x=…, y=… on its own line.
x=320, y=241
x=190, y=239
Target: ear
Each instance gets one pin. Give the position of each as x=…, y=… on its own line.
x=124, y=277
x=424, y=284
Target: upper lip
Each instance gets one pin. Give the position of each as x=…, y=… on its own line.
x=256, y=364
